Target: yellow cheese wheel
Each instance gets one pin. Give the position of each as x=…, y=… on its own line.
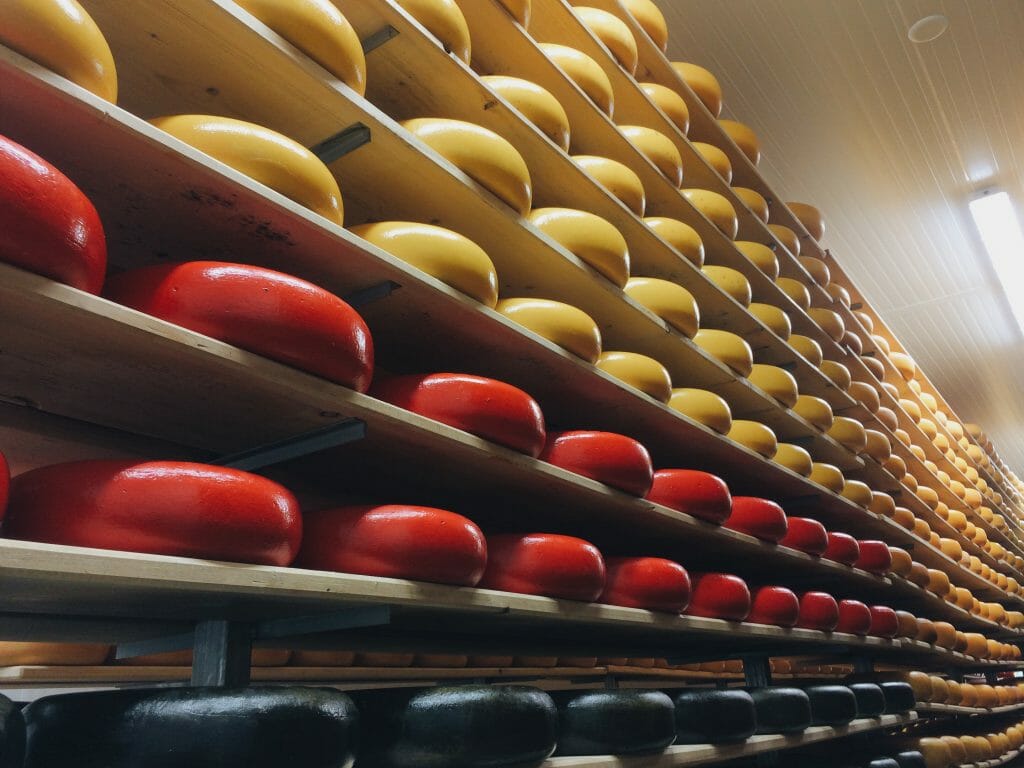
x=716, y=209
x=726, y=347
x=669, y=301
x=848, y=433
x=919, y=576
x=840, y=294
x=731, y=281
x=904, y=518
x=910, y=481
x=918, y=451
x=828, y=476
x=704, y=85
x=977, y=645
x=882, y=343
x=810, y=217
x=613, y=32
x=945, y=633
x=931, y=466
x=754, y=200
x=997, y=613
x=974, y=565
x=957, y=750
x=680, y=236
x=874, y=365
x=983, y=512
x=520, y=11
x=743, y=137
x=806, y=347
x=716, y=158
x=941, y=442
x=441, y=253
x=536, y=104
x=928, y=496
x=911, y=408
x=865, y=394
x=588, y=237
x=975, y=454
x=955, y=696
x=935, y=752
x=669, y=102
x=970, y=472
x=481, y=154
x=761, y=256
x=562, y=324
x=838, y=373
x=972, y=497
x=797, y=459
x=817, y=269
x=942, y=511
x=895, y=466
x=915, y=386
x=787, y=237
x=962, y=596
x=940, y=694
x=877, y=445
x=938, y=582
x=816, y=411
x=796, y=290
x=882, y=504
x=774, y=318
x=585, y=72
x=958, y=488
x=650, y=19
x=857, y=492
x=15, y=654
x=899, y=434
x=865, y=320
x=922, y=530
x=901, y=561
x=619, y=181
x=951, y=548
x=919, y=681
x=755, y=436
x=704, y=407
x=955, y=428
x=957, y=519
x=830, y=322
x=638, y=371
x=894, y=393
x=974, y=431
x=776, y=382
x=1015, y=618
x=61, y=36
x=444, y=20
x=904, y=364
x=658, y=148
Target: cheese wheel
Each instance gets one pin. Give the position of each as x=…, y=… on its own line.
x=444, y=20
x=881, y=342
x=816, y=411
x=957, y=750
x=704, y=85
x=743, y=137
x=481, y=154
x=818, y=270
x=806, y=347
x=14, y=654
x=941, y=442
x=716, y=158
x=755, y=436
x=796, y=290
x=787, y=237
x=901, y=562
x=669, y=102
x=590, y=238
x=849, y=433
x=585, y=72
x=731, y=281
x=829, y=321
x=827, y=476
x=894, y=393
x=728, y=348
x=448, y=256
x=918, y=451
x=928, y=496
x=904, y=363
x=925, y=627
x=911, y=408
x=838, y=373
x=268, y=157
x=318, y=29
x=810, y=217
x=638, y=371
x=774, y=318
x=680, y=236
x=952, y=549
x=938, y=582
x=570, y=328
x=754, y=200
x=973, y=499
x=620, y=182
x=874, y=365
x=776, y=382
x=62, y=37
x=882, y=504
x=852, y=342
x=704, y=407
x=794, y=458
x=945, y=633
x=612, y=32
x=762, y=257
x=922, y=530
x=669, y=301
x=857, y=492
x=546, y=564
x=536, y=104
x=904, y=518
x=877, y=445
x=650, y=19
x=658, y=148
x=957, y=519
x=899, y=434
x=716, y=208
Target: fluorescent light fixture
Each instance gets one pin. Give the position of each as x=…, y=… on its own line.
x=997, y=223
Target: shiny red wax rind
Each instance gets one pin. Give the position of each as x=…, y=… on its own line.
x=696, y=493
x=547, y=564
x=805, y=535
x=607, y=457
x=719, y=596
x=652, y=583
x=761, y=518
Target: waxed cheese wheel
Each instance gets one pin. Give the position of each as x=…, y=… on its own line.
x=612, y=32
x=569, y=327
x=794, y=458
x=267, y=156
x=818, y=610
x=658, y=148
x=882, y=504
x=487, y=408
x=849, y=433
x=788, y=238
x=755, y=436
x=727, y=347
x=536, y=104
x=584, y=72
x=702, y=406
x=545, y=564
x=589, y=238
x=669, y=301
x=775, y=319
x=816, y=411
x=710, y=716
x=696, y=493
x=754, y=200
x=682, y=237
x=776, y=382
x=901, y=561
x=840, y=294
x=852, y=342
x=828, y=476
x=669, y=102
x=888, y=417
x=606, y=457
x=807, y=347
x=471, y=726
x=875, y=366
x=837, y=373
x=842, y=548
x=831, y=322
x=762, y=256
x=854, y=618
x=875, y=557
x=396, y=541
x=256, y=727
x=260, y=310
x=638, y=371
x=899, y=697
x=618, y=179
x=817, y=269
x=884, y=622
x=12, y=734
x=716, y=158
x=877, y=445
x=760, y=518
x=781, y=710
x=904, y=363
x=651, y=583
x=870, y=699
x=446, y=255
x=158, y=507
x=716, y=209
x=719, y=596
x=744, y=138
x=796, y=291
x=614, y=722
x=831, y=704
x=810, y=217
x=444, y=20
x=775, y=606
x=730, y=281
x=806, y=535
x=49, y=226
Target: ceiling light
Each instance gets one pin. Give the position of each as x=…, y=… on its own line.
x=997, y=223
x=927, y=29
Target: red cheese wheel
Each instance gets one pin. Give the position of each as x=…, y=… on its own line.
x=653, y=583
x=875, y=557
x=719, y=596
x=490, y=409
x=842, y=548
x=398, y=541
x=5, y=485
x=158, y=507
x=818, y=610
x=774, y=605
x=546, y=564
x=607, y=457
x=266, y=312
x=761, y=518
x=48, y=225
x=884, y=622
x=854, y=617
x=696, y=493
x=806, y=535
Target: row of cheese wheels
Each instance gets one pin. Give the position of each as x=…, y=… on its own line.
x=939, y=690
x=948, y=750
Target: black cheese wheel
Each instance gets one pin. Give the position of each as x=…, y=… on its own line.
x=870, y=699
x=12, y=734
x=614, y=722
x=781, y=710
x=883, y=762
x=899, y=697
x=831, y=704
x=911, y=759
x=712, y=716
x=259, y=727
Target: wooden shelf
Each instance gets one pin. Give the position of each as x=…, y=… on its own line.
x=906, y=594
x=952, y=709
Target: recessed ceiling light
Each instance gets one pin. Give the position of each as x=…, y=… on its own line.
x=1000, y=231
x=927, y=29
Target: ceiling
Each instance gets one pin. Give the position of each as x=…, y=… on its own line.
x=891, y=139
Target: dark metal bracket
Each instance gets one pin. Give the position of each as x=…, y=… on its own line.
x=378, y=38
x=369, y=295
x=320, y=439
x=863, y=665
x=757, y=671
x=340, y=144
